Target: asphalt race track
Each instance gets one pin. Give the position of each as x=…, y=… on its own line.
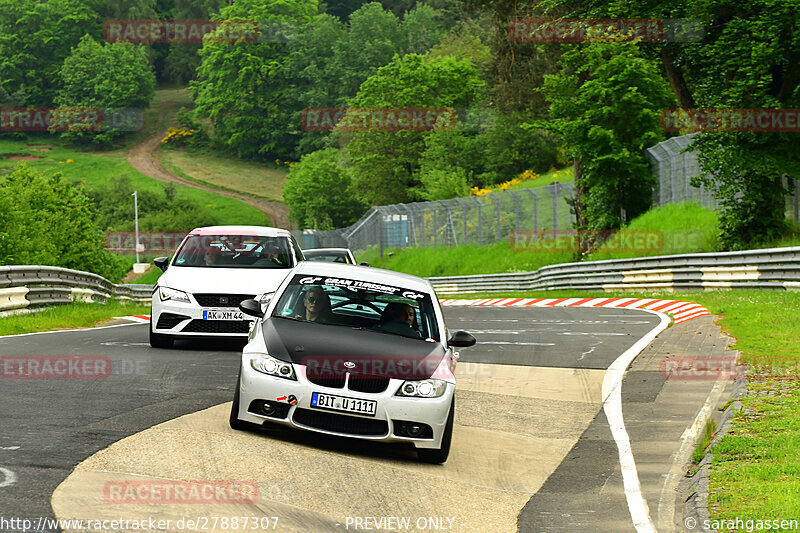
x=532, y=448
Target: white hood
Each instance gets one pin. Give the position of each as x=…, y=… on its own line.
x=223, y=280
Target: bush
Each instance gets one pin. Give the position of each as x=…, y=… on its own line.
x=115, y=77
x=318, y=193
x=47, y=221
x=510, y=149
x=158, y=210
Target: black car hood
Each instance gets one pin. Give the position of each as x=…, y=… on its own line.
x=337, y=349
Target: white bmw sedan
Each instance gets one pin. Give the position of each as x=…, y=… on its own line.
x=212, y=272
x=352, y=351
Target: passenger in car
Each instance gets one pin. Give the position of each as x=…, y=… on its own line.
x=399, y=318
x=317, y=306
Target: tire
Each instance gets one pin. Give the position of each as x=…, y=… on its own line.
x=234, y=421
x=160, y=341
x=439, y=455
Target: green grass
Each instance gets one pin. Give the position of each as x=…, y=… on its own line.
x=94, y=169
x=708, y=435
x=681, y=228
x=248, y=177
x=560, y=175
x=150, y=277
x=71, y=316
x=674, y=225
x=162, y=112
x=461, y=260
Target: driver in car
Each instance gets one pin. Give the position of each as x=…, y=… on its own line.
x=270, y=256
x=399, y=318
x=317, y=306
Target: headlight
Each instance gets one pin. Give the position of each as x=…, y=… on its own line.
x=426, y=388
x=165, y=293
x=264, y=300
x=266, y=364
x=266, y=297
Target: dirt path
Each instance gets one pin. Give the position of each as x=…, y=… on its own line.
x=143, y=156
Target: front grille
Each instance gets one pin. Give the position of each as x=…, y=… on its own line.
x=170, y=320
x=222, y=300
x=349, y=425
x=327, y=379
x=217, y=326
x=367, y=384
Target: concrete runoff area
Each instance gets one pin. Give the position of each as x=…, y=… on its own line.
x=522, y=413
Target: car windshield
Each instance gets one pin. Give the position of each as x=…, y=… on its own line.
x=234, y=251
x=381, y=308
x=331, y=257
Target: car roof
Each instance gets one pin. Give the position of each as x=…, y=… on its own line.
x=363, y=273
x=256, y=231
x=327, y=250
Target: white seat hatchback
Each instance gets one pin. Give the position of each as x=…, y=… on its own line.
x=213, y=270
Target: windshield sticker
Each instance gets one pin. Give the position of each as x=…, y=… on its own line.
x=360, y=285
x=179, y=261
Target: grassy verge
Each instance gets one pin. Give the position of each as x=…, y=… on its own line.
x=560, y=175
x=225, y=173
x=72, y=316
x=675, y=229
x=150, y=277
x=461, y=260
x=674, y=225
x=93, y=169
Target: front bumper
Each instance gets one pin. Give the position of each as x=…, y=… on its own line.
x=181, y=319
x=393, y=414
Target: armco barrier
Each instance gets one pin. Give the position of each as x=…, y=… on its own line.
x=773, y=268
x=24, y=286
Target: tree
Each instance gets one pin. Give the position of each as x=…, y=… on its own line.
x=181, y=60
x=606, y=103
x=318, y=193
x=385, y=163
x=35, y=38
x=241, y=87
x=47, y=221
x=749, y=58
x=112, y=77
x=329, y=60
x=342, y=8
x=422, y=29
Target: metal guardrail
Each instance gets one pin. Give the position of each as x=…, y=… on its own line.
x=31, y=286
x=772, y=268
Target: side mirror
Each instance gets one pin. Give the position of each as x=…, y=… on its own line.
x=461, y=339
x=364, y=264
x=251, y=307
x=162, y=263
